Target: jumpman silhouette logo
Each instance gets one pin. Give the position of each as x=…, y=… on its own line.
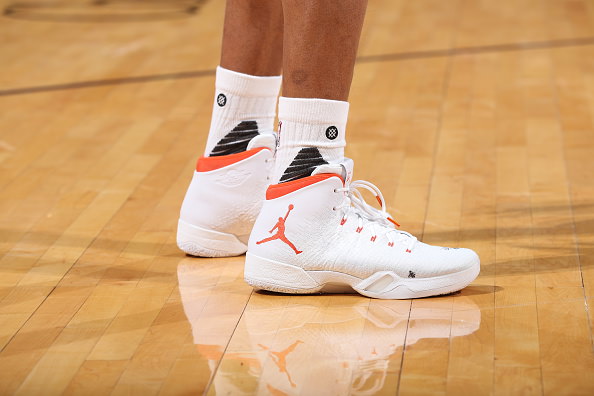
x=280, y=233
x=280, y=358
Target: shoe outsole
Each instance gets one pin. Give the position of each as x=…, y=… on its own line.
x=271, y=275
x=201, y=242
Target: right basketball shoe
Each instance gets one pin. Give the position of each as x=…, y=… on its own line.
x=316, y=233
x=226, y=194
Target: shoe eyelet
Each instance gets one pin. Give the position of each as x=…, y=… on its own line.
x=334, y=208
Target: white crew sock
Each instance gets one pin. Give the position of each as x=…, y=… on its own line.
x=243, y=106
x=311, y=133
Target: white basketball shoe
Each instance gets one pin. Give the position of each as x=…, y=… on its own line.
x=224, y=199
x=316, y=233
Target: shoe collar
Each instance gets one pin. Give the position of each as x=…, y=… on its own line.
x=344, y=169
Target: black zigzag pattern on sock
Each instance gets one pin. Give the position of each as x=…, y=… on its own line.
x=305, y=162
x=237, y=140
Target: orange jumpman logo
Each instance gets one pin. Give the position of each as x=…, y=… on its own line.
x=280, y=234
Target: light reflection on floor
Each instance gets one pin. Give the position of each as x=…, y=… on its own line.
x=296, y=344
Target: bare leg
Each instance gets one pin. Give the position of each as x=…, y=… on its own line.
x=320, y=46
x=253, y=37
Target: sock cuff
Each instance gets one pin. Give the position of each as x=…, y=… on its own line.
x=246, y=85
x=313, y=111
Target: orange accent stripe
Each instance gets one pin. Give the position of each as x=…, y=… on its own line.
x=206, y=164
x=393, y=221
x=278, y=190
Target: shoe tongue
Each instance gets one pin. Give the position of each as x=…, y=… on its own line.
x=343, y=169
x=267, y=140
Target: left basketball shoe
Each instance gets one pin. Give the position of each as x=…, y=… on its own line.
x=229, y=183
x=224, y=199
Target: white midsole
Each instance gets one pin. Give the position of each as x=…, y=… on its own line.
x=277, y=276
x=199, y=241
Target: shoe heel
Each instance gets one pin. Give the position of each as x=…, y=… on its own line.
x=198, y=241
x=272, y=275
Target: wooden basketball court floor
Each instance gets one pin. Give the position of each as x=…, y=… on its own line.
x=475, y=118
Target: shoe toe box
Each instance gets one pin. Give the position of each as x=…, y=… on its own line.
x=432, y=261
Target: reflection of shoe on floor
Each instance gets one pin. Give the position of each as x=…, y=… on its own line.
x=299, y=348
x=330, y=236
x=440, y=323
x=354, y=345
x=223, y=200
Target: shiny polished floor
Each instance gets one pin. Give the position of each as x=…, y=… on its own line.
x=475, y=118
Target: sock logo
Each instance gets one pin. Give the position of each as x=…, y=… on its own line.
x=237, y=140
x=305, y=162
x=280, y=233
x=332, y=132
x=221, y=100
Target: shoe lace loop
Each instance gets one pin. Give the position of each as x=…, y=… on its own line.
x=355, y=203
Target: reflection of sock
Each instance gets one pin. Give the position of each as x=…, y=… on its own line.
x=243, y=106
x=311, y=133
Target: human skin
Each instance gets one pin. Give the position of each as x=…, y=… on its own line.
x=314, y=42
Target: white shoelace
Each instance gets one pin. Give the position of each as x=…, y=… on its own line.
x=355, y=203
